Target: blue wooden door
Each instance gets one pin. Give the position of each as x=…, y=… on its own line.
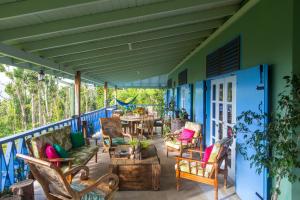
x=207, y=112
x=252, y=90
x=199, y=102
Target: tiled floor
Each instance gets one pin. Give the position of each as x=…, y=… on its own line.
x=189, y=190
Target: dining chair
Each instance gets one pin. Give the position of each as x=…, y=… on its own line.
x=146, y=126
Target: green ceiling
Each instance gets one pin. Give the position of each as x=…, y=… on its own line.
x=128, y=43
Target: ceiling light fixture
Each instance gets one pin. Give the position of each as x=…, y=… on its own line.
x=129, y=46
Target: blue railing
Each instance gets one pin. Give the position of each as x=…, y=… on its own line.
x=14, y=170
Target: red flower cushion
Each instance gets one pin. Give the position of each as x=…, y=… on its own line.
x=186, y=135
x=51, y=153
x=206, y=156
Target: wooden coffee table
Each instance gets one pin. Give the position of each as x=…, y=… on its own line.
x=135, y=174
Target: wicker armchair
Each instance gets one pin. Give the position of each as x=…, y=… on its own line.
x=56, y=186
x=205, y=172
x=173, y=143
x=112, y=132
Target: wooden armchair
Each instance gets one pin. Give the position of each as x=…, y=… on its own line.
x=173, y=143
x=112, y=132
x=204, y=172
x=56, y=186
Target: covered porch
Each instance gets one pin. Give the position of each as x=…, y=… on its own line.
x=214, y=58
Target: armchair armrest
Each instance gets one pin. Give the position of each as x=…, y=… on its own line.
x=69, y=160
x=84, y=175
x=171, y=136
x=60, y=159
x=111, y=179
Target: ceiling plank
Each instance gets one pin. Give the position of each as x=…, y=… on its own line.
x=134, y=75
x=121, y=63
x=82, y=22
x=29, y=7
x=203, y=30
x=63, y=47
x=132, y=54
x=24, y=32
x=97, y=54
x=108, y=67
x=36, y=60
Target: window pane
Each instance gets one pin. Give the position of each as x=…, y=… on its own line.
x=229, y=92
x=214, y=92
x=229, y=131
x=213, y=128
x=229, y=114
x=221, y=112
x=214, y=111
x=220, y=131
x=221, y=92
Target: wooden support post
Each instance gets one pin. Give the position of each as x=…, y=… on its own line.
x=77, y=97
x=116, y=94
x=72, y=100
x=105, y=95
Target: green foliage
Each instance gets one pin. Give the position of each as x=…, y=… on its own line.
x=276, y=144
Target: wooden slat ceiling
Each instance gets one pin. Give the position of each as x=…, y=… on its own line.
x=118, y=41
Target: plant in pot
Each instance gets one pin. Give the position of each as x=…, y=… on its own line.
x=277, y=143
x=171, y=106
x=183, y=115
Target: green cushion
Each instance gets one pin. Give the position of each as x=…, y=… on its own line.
x=77, y=139
x=83, y=154
x=61, y=151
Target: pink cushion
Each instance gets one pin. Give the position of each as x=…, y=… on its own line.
x=186, y=135
x=51, y=153
x=206, y=156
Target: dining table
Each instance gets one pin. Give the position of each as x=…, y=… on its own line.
x=134, y=120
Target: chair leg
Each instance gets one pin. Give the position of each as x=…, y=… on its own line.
x=167, y=152
x=225, y=180
x=177, y=184
x=216, y=192
x=96, y=157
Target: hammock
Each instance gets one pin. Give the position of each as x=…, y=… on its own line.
x=122, y=103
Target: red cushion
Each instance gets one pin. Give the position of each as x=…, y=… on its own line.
x=186, y=135
x=51, y=153
x=207, y=153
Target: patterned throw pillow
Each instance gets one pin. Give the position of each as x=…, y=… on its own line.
x=61, y=151
x=206, y=156
x=214, y=153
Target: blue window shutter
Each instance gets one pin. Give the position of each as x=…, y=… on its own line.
x=251, y=91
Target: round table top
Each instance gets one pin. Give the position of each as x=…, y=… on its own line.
x=134, y=118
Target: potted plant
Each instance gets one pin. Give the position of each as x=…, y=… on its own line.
x=277, y=143
x=133, y=146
